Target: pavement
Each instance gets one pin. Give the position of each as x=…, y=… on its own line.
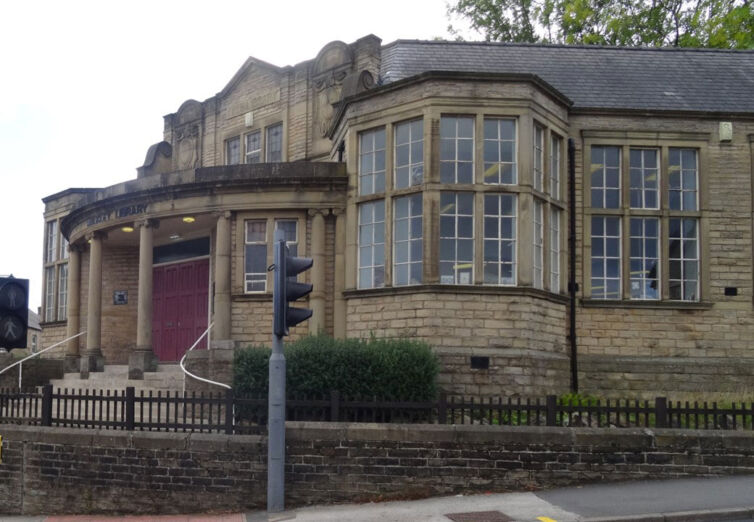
x=716, y=499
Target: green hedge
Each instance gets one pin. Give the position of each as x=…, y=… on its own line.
x=397, y=369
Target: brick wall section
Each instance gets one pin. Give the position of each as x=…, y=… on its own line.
x=78, y=471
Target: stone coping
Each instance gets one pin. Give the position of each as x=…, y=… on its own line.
x=618, y=439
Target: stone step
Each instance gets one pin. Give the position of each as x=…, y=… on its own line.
x=115, y=377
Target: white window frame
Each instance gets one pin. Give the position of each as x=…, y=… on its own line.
x=556, y=146
x=414, y=170
x=252, y=278
x=538, y=174
x=371, y=170
x=62, y=291
x=684, y=258
x=51, y=241
x=604, y=258
x=494, y=169
x=409, y=223
x=602, y=187
x=643, y=172
x=459, y=265
x=555, y=219
x=50, y=275
x=641, y=278
x=371, y=241
x=497, y=240
x=253, y=155
x=456, y=140
x=682, y=169
x=538, y=234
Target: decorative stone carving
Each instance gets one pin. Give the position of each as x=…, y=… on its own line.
x=187, y=139
x=331, y=67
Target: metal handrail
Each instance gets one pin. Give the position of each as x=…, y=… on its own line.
x=40, y=352
x=186, y=372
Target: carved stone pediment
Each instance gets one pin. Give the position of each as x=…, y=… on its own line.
x=331, y=67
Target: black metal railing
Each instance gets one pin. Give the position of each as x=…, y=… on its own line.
x=227, y=413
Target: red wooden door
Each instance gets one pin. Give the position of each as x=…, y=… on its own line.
x=179, y=307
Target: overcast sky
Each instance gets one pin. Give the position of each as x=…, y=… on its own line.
x=85, y=84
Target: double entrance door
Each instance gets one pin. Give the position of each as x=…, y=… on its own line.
x=180, y=301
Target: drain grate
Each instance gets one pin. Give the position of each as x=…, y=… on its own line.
x=479, y=516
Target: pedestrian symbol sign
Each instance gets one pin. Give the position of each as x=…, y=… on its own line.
x=14, y=312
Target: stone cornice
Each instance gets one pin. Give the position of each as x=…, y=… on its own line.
x=296, y=176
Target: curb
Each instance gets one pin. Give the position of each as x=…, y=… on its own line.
x=678, y=516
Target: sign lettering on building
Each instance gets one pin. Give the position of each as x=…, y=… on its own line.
x=123, y=212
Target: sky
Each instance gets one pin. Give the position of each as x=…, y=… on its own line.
x=85, y=84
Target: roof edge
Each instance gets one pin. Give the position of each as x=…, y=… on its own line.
x=448, y=75
x=566, y=46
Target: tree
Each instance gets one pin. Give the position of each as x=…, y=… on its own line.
x=727, y=24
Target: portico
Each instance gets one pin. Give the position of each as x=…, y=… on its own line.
x=152, y=285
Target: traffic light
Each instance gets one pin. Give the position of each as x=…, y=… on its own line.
x=287, y=289
x=14, y=312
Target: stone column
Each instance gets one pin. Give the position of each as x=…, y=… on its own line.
x=73, y=304
x=142, y=359
x=221, y=331
x=339, y=305
x=317, y=297
x=93, y=361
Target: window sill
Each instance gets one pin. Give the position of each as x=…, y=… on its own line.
x=457, y=289
x=53, y=323
x=652, y=305
x=262, y=296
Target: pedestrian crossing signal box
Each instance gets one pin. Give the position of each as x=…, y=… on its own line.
x=14, y=312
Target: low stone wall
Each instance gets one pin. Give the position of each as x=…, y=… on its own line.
x=708, y=378
x=35, y=372
x=46, y=470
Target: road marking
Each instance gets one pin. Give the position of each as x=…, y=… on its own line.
x=546, y=519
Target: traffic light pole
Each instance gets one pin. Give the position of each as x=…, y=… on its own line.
x=285, y=290
x=276, y=403
x=276, y=429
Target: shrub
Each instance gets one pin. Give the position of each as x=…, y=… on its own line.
x=397, y=369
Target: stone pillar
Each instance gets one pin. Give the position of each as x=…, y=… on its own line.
x=142, y=359
x=73, y=306
x=93, y=361
x=339, y=305
x=317, y=297
x=221, y=331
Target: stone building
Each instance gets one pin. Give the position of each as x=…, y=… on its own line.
x=536, y=213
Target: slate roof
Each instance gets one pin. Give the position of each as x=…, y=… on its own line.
x=595, y=77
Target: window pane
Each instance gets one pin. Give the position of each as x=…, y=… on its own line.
x=253, y=147
x=456, y=222
x=684, y=259
x=605, y=257
x=233, y=151
x=499, y=151
x=605, y=177
x=371, y=244
x=683, y=179
x=456, y=149
x=372, y=161
x=275, y=143
x=499, y=239
x=644, y=260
